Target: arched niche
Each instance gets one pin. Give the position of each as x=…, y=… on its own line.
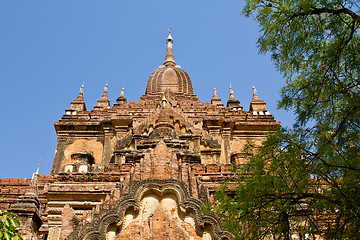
x=153, y=209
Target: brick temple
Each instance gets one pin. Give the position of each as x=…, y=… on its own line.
x=139, y=170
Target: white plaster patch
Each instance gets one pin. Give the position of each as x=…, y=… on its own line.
x=83, y=168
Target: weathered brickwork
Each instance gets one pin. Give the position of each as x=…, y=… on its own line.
x=139, y=170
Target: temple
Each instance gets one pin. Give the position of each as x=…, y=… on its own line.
x=139, y=170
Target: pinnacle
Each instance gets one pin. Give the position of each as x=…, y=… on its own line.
x=215, y=96
x=232, y=102
x=255, y=96
x=231, y=95
x=105, y=94
x=104, y=100
x=121, y=99
x=80, y=97
x=169, y=59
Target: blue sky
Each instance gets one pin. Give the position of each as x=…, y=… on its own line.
x=48, y=48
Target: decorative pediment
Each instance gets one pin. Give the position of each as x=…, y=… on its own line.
x=150, y=209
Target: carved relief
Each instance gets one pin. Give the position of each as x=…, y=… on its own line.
x=153, y=209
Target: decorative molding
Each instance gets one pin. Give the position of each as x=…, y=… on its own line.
x=113, y=212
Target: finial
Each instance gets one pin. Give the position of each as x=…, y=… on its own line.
x=231, y=92
x=254, y=92
x=121, y=99
x=103, y=102
x=80, y=97
x=169, y=38
x=169, y=58
x=33, y=190
x=105, y=94
x=257, y=105
x=215, y=94
x=233, y=102
x=78, y=104
x=215, y=99
x=37, y=170
x=82, y=88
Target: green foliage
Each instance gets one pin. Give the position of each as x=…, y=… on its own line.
x=305, y=180
x=206, y=208
x=75, y=219
x=8, y=224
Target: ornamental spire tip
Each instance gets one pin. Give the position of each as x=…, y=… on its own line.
x=82, y=88
x=255, y=96
x=169, y=59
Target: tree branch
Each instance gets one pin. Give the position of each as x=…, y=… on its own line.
x=318, y=11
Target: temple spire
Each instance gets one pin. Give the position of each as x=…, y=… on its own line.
x=33, y=188
x=82, y=88
x=27, y=207
x=258, y=106
x=169, y=59
x=231, y=95
x=215, y=94
x=37, y=170
x=105, y=94
x=104, y=102
x=233, y=102
x=81, y=93
x=78, y=104
x=255, y=96
x=121, y=99
x=215, y=99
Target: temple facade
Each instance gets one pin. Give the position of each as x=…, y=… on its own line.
x=139, y=170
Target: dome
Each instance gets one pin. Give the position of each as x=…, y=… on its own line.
x=169, y=76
